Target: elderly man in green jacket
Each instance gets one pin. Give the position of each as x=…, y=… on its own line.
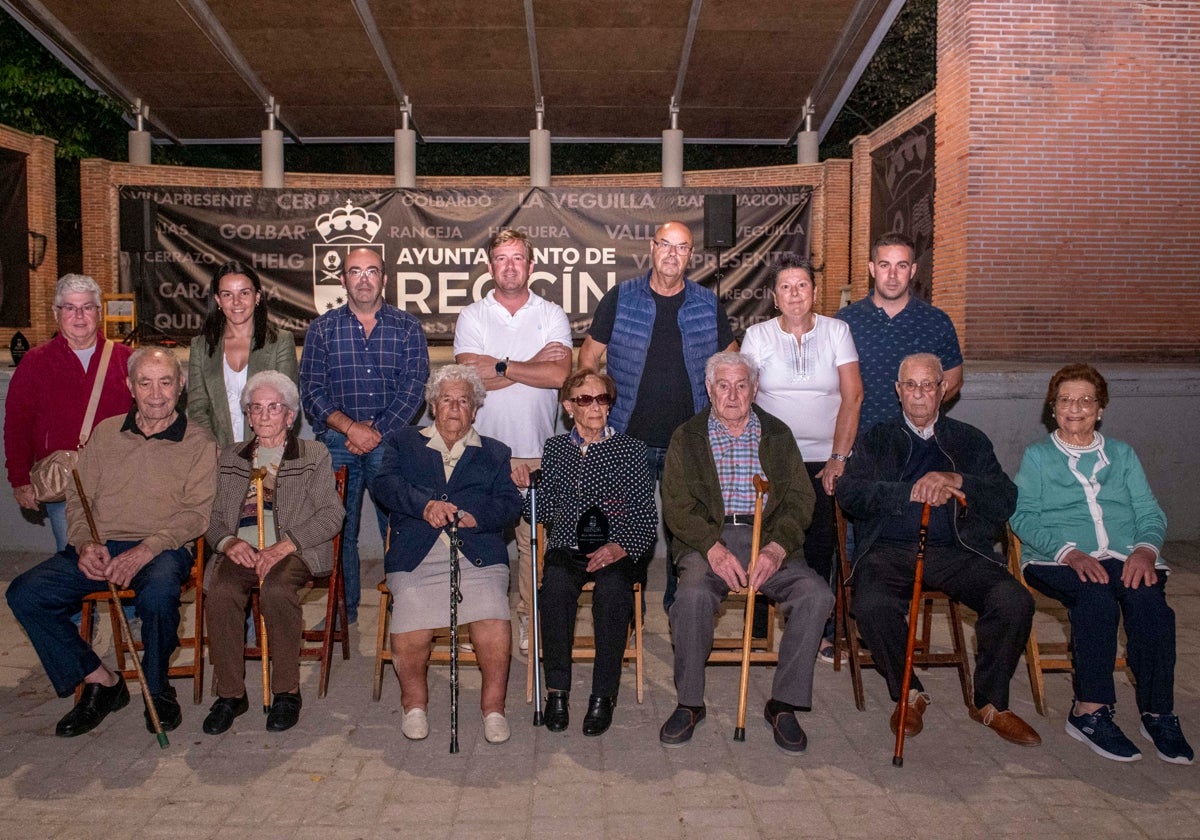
x=708, y=503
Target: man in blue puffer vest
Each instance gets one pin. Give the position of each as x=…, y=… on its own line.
x=664, y=317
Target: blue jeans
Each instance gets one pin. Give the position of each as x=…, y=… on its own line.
x=56, y=512
x=44, y=598
x=361, y=471
x=656, y=456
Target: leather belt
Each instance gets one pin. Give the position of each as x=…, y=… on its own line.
x=740, y=519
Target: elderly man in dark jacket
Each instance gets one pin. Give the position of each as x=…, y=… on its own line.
x=708, y=503
x=897, y=468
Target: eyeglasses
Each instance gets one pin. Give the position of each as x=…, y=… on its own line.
x=681, y=248
x=273, y=409
x=584, y=400
x=1086, y=403
x=911, y=387
x=371, y=273
x=69, y=309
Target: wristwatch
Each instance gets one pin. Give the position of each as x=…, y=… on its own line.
x=836, y=457
x=502, y=368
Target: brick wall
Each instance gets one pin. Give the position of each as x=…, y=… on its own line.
x=1067, y=216
x=42, y=217
x=101, y=180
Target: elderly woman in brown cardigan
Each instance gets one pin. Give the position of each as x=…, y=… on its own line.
x=302, y=513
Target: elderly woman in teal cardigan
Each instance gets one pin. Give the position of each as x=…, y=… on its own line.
x=1092, y=535
x=237, y=342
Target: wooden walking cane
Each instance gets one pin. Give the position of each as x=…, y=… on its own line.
x=914, y=609
x=112, y=590
x=256, y=476
x=761, y=488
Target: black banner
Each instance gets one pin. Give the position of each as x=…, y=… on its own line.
x=14, y=240
x=902, y=196
x=433, y=242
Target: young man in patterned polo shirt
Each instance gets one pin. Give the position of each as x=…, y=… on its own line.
x=889, y=324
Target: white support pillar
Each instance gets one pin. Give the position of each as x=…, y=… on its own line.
x=139, y=138
x=672, y=151
x=406, y=158
x=139, y=148
x=405, y=150
x=272, y=149
x=807, y=147
x=272, y=158
x=539, y=152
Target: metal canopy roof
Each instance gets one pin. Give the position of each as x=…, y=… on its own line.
x=739, y=71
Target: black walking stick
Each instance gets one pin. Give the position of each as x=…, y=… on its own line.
x=455, y=599
x=535, y=632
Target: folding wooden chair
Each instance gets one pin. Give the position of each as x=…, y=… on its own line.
x=195, y=642
x=846, y=630
x=440, y=654
x=334, y=629
x=584, y=647
x=1040, y=656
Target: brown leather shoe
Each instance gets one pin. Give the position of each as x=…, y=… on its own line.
x=1007, y=725
x=913, y=723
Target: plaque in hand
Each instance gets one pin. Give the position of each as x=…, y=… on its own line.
x=592, y=530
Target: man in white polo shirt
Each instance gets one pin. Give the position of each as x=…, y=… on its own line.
x=520, y=345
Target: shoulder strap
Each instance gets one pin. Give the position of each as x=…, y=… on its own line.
x=94, y=401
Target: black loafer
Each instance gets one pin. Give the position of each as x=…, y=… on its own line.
x=221, y=715
x=167, y=706
x=681, y=724
x=94, y=704
x=599, y=715
x=557, y=716
x=789, y=737
x=285, y=711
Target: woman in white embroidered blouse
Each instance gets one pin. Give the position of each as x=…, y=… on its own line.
x=809, y=379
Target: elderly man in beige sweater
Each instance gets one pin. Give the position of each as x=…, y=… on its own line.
x=150, y=479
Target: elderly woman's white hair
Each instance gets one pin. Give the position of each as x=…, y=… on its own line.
x=70, y=284
x=272, y=379
x=729, y=357
x=455, y=373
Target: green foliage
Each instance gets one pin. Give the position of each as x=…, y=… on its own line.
x=39, y=96
x=903, y=70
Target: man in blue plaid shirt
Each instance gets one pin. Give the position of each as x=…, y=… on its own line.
x=362, y=375
x=708, y=503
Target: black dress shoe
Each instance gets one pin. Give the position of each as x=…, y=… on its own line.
x=94, y=704
x=599, y=715
x=285, y=711
x=789, y=737
x=221, y=715
x=169, y=713
x=557, y=716
x=681, y=724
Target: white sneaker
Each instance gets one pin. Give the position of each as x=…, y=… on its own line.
x=415, y=725
x=495, y=728
x=523, y=631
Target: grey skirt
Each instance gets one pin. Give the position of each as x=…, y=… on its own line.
x=421, y=598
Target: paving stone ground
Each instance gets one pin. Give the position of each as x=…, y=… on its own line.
x=346, y=771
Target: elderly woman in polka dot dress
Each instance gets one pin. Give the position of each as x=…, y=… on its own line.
x=597, y=498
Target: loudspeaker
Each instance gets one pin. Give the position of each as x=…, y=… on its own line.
x=137, y=225
x=720, y=221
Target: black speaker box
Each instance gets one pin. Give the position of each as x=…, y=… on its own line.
x=720, y=221
x=137, y=225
